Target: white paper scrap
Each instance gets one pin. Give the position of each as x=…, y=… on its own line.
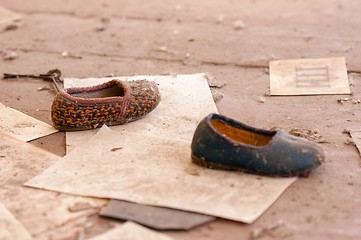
x=131, y=231
x=21, y=126
x=309, y=76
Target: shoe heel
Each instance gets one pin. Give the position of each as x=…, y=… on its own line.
x=201, y=162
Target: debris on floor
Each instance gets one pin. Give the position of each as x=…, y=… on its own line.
x=45, y=88
x=104, y=23
x=277, y=230
x=217, y=96
x=238, y=25
x=215, y=87
x=66, y=54
x=164, y=49
x=9, y=55
x=356, y=137
x=312, y=135
x=353, y=101
x=261, y=99
x=350, y=141
x=81, y=206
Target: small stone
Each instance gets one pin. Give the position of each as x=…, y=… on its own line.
x=272, y=230
x=100, y=28
x=161, y=49
x=12, y=26
x=10, y=55
x=65, y=54
x=192, y=171
x=238, y=25
x=220, y=19
x=261, y=99
x=45, y=88
x=116, y=149
x=105, y=20
x=350, y=141
x=217, y=96
x=340, y=101
x=80, y=206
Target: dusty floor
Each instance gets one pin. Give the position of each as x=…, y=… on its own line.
x=184, y=36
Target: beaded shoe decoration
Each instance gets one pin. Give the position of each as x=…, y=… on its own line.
x=112, y=103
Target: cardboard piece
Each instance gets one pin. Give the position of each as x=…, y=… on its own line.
x=10, y=227
x=158, y=171
x=309, y=76
x=22, y=126
x=131, y=231
x=39, y=211
x=154, y=217
x=7, y=17
x=185, y=100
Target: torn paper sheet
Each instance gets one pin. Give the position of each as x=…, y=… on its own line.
x=158, y=171
x=309, y=76
x=10, y=227
x=7, y=17
x=22, y=126
x=131, y=231
x=39, y=211
x=185, y=100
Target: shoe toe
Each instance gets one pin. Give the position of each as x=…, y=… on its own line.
x=145, y=98
x=304, y=157
x=290, y=157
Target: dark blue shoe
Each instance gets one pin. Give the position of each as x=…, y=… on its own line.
x=223, y=143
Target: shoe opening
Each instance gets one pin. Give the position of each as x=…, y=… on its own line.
x=241, y=135
x=111, y=91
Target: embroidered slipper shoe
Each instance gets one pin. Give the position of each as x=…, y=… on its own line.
x=111, y=103
x=223, y=143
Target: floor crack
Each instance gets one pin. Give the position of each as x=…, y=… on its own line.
x=175, y=60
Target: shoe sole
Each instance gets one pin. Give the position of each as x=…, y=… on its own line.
x=74, y=129
x=202, y=162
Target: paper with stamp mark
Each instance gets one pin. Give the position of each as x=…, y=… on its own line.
x=309, y=76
